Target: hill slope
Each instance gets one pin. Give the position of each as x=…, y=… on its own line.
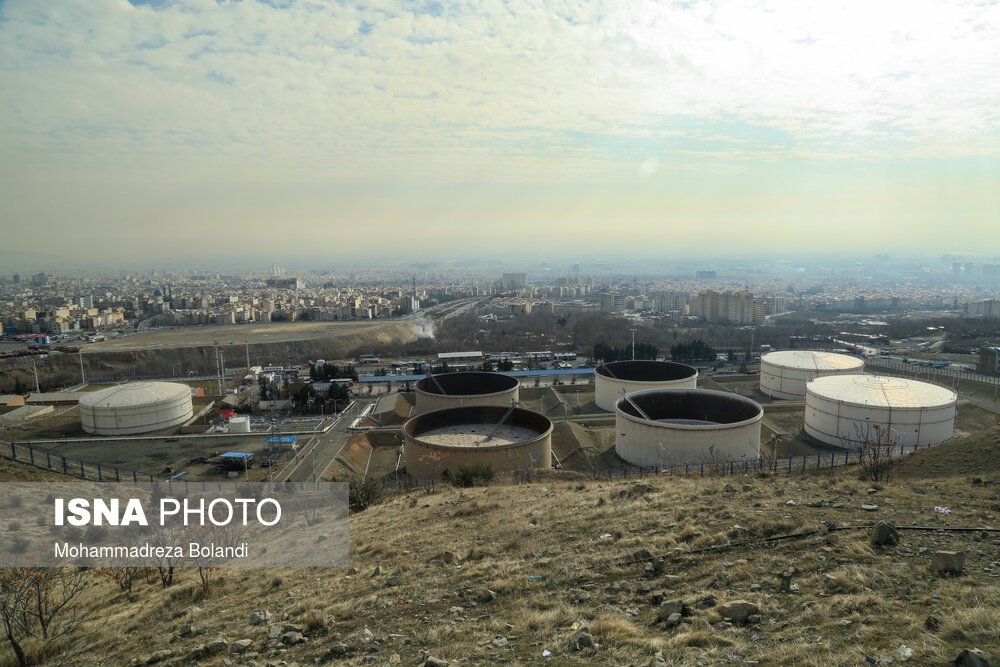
x=543, y=552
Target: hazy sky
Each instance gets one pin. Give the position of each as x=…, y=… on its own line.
x=158, y=129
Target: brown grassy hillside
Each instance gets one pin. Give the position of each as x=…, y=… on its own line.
x=498, y=575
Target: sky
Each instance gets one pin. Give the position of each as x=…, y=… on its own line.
x=157, y=130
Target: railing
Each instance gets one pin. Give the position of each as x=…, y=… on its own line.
x=46, y=460
x=790, y=465
x=795, y=464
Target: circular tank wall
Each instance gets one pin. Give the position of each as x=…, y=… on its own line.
x=615, y=378
x=664, y=427
x=784, y=374
x=453, y=390
x=454, y=437
x=137, y=407
x=842, y=410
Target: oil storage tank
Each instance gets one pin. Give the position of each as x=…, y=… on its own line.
x=663, y=427
x=784, y=374
x=136, y=407
x=842, y=410
x=615, y=378
x=452, y=390
x=504, y=438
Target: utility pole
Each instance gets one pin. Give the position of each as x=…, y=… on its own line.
x=633, y=343
x=248, y=354
x=35, y=368
x=83, y=375
x=218, y=368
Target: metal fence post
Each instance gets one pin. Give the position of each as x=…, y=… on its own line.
x=117, y=477
x=135, y=477
x=13, y=451
x=65, y=471
x=48, y=460
x=82, y=473
x=31, y=455
x=99, y=473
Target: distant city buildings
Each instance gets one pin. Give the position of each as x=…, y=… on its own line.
x=988, y=308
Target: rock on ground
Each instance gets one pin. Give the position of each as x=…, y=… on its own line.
x=971, y=658
x=947, y=562
x=738, y=611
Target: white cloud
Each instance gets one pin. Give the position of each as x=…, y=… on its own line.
x=496, y=86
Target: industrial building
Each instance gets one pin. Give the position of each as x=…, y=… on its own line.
x=989, y=360
x=613, y=379
x=502, y=438
x=451, y=390
x=842, y=410
x=785, y=374
x=662, y=427
x=137, y=407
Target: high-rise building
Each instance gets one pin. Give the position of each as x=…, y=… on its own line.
x=737, y=307
x=514, y=281
x=612, y=302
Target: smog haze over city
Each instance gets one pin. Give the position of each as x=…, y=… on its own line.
x=222, y=135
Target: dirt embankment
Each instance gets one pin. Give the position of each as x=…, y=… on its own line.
x=108, y=364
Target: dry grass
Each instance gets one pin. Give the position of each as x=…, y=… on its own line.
x=851, y=598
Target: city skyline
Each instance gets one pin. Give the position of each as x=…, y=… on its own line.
x=183, y=132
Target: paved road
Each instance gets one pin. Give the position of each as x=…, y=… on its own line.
x=324, y=448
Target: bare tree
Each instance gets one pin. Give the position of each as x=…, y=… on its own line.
x=39, y=604
x=876, y=442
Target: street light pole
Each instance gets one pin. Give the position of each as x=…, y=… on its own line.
x=633, y=343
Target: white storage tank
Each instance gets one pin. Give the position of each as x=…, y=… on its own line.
x=664, y=427
x=453, y=390
x=842, y=410
x=136, y=407
x=785, y=374
x=616, y=378
x=239, y=424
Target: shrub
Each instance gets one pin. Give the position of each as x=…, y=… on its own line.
x=363, y=492
x=474, y=475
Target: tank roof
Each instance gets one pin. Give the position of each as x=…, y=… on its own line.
x=135, y=393
x=881, y=391
x=812, y=359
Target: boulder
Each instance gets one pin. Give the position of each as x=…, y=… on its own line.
x=274, y=632
x=669, y=608
x=673, y=620
x=292, y=638
x=260, y=617
x=340, y=648
x=241, y=645
x=884, y=534
x=431, y=661
x=971, y=657
x=737, y=611
x=947, y=562
x=207, y=650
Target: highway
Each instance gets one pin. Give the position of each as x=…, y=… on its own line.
x=322, y=449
